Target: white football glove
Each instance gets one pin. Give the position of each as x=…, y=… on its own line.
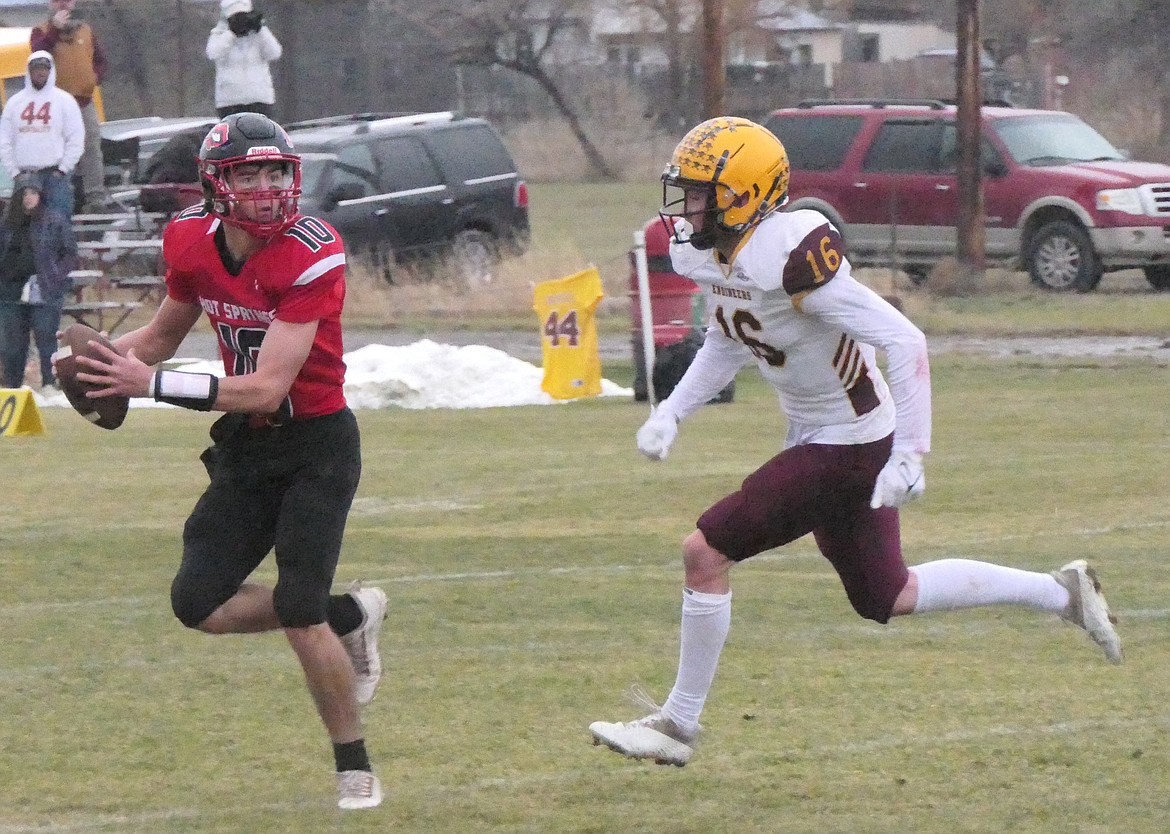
x=900, y=481
x=657, y=433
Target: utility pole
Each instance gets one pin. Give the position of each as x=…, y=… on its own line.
x=714, y=71
x=289, y=104
x=968, y=84
x=181, y=57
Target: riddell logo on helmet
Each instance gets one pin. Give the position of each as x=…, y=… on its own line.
x=264, y=150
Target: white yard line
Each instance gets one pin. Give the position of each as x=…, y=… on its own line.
x=671, y=565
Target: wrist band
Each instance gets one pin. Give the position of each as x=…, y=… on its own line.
x=194, y=391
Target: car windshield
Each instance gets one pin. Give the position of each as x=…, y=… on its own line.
x=312, y=167
x=1054, y=140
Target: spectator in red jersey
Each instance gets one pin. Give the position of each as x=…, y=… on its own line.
x=285, y=460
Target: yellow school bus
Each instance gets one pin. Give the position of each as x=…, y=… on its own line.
x=14, y=52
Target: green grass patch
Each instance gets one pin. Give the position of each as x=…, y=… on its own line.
x=532, y=562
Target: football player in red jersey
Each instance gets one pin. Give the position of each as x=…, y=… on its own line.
x=780, y=291
x=286, y=459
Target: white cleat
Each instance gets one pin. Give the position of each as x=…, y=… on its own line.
x=361, y=644
x=1087, y=607
x=654, y=736
x=358, y=789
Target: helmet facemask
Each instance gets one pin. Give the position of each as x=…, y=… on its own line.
x=680, y=215
x=273, y=209
x=255, y=201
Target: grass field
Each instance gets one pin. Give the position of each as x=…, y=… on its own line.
x=531, y=558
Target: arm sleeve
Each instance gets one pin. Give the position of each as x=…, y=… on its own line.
x=714, y=366
x=865, y=315
x=179, y=284
x=66, y=249
x=7, y=133
x=270, y=48
x=219, y=41
x=320, y=297
x=74, y=134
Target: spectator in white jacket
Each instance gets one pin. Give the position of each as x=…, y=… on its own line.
x=42, y=133
x=242, y=47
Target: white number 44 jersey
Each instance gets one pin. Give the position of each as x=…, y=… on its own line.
x=788, y=299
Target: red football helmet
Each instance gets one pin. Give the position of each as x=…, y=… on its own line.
x=247, y=139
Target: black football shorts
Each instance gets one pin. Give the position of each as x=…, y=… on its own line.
x=286, y=487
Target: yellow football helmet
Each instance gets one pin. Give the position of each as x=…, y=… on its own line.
x=742, y=166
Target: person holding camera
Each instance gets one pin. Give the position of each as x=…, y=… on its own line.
x=242, y=47
x=80, y=68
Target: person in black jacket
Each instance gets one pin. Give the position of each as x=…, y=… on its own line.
x=37, y=253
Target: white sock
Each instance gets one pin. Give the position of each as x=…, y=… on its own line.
x=950, y=584
x=706, y=619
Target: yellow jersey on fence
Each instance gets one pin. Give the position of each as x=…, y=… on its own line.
x=566, y=307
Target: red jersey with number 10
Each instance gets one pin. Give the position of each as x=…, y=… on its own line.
x=297, y=277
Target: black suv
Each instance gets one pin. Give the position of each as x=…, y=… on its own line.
x=401, y=187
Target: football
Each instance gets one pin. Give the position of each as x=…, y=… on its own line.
x=107, y=412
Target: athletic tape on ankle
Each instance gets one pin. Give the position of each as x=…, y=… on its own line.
x=194, y=391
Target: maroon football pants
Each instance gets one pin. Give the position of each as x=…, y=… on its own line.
x=824, y=490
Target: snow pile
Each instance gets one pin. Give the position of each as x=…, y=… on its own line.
x=417, y=376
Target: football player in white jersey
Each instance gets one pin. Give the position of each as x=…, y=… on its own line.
x=780, y=290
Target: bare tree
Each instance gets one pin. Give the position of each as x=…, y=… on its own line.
x=1134, y=34
x=677, y=26
x=673, y=22
x=518, y=35
x=135, y=62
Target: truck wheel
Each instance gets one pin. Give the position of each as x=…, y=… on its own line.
x=476, y=255
x=1159, y=277
x=1061, y=258
x=917, y=273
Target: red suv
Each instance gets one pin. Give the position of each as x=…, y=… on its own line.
x=1059, y=200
